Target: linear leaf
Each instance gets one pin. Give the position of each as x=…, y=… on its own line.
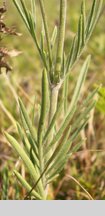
x=28, y=121
x=25, y=159
x=21, y=12
x=83, y=115
x=80, y=83
x=54, y=36
x=44, y=105
x=61, y=130
x=52, y=124
x=83, y=12
x=59, y=148
x=26, y=185
x=91, y=16
x=44, y=109
x=89, y=27
x=80, y=35
x=55, y=170
x=29, y=145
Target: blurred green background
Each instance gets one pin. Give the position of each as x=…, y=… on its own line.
x=87, y=167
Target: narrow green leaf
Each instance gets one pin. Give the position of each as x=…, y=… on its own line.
x=25, y=159
x=93, y=16
x=44, y=105
x=86, y=33
x=83, y=12
x=21, y=12
x=25, y=184
x=76, y=147
x=52, y=178
x=42, y=121
x=42, y=41
x=25, y=10
x=80, y=83
x=5, y=183
x=75, y=134
x=53, y=122
x=80, y=35
x=29, y=145
x=99, y=8
x=72, y=54
x=33, y=112
x=58, y=168
x=54, y=36
x=28, y=121
x=20, y=132
x=60, y=149
x=83, y=115
x=65, y=94
x=90, y=96
x=33, y=9
x=61, y=130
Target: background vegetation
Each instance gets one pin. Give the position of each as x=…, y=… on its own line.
x=87, y=166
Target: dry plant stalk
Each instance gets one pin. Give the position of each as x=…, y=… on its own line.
x=4, y=30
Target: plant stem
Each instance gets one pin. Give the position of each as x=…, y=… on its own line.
x=46, y=30
x=61, y=37
x=54, y=93
x=53, y=101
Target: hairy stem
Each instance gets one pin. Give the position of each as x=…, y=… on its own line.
x=54, y=92
x=61, y=37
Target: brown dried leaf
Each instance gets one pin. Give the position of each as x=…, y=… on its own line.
x=4, y=52
x=5, y=65
x=3, y=9
x=14, y=53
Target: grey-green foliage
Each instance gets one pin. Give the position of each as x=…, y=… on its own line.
x=60, y=147
x=47, y=148
x=86, y=26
